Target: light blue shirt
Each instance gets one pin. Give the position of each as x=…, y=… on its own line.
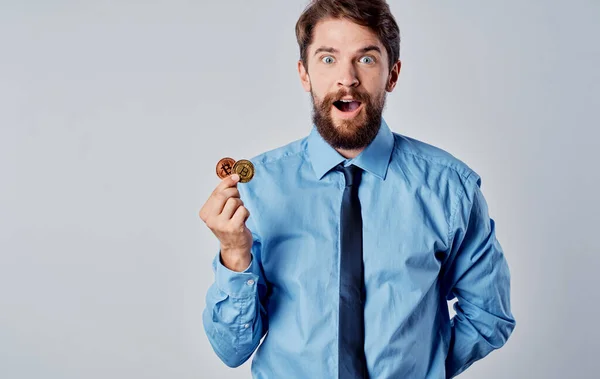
x=427, y=238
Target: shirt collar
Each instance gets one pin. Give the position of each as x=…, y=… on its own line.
x=373, y=159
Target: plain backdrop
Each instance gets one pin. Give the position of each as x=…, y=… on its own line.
x=113, y=115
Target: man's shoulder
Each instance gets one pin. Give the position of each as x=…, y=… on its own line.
x=271, y=169
x=290, y=151
x=430, y=157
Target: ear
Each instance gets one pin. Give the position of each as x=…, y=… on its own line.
x=304, y=78
x=393, y=76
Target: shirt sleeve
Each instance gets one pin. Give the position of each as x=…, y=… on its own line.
x=235, y=318
x=478, y=276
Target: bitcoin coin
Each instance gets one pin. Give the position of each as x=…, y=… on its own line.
x=245, y=169
x=225, y=167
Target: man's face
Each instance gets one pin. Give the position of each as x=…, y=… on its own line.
x=347, y=76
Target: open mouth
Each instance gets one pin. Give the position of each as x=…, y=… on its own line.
x=347, y=105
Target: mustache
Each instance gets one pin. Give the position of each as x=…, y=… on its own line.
x=355, y=94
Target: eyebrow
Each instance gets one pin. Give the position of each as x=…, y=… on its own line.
x=332, y=50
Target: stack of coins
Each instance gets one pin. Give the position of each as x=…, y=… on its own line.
x=228, y=166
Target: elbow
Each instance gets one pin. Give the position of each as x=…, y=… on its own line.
x=233, y=360
x=232, y=349
x=240, y=355
x=508, y=328
x=503, y=330
x=229, y=356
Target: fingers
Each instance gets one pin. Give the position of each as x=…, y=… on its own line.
x=225, y=215
x=216, y=202
x=240, y=216
x=221, y=198
x=230, y=181
x=215, y=206
x=231, y=206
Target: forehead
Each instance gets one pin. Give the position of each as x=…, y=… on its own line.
x=342, y=34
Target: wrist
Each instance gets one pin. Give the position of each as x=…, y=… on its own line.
x=235, y=259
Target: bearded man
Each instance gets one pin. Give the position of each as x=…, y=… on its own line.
x=346, y=246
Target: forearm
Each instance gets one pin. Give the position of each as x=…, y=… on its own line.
x=234, y=319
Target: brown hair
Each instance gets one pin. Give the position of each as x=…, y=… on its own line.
x=374, y=14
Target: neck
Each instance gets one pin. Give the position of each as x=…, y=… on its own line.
x=350, y=153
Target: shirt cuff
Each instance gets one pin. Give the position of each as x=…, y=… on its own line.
x=237, y=284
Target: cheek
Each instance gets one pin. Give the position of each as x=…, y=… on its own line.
x=319, y=91
x=319, y=86
x=375, y=83
x=322, y=79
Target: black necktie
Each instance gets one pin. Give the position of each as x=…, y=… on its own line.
x=351, y=336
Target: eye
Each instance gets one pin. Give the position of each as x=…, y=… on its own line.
x=327, y=59
x=369, y=60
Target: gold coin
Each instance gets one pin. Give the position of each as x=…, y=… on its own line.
x=245, y=169
x=225, y=167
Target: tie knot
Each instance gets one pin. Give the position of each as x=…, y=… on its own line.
x=352, y=174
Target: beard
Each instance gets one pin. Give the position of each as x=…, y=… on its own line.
x=355, y=133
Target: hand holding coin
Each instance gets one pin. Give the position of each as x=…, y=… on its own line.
x=228, y=166
x=225, y=215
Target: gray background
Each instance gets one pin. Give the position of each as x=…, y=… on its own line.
x=113, y=115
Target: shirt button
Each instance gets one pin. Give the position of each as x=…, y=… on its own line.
x=246, y=326
x=250, y=282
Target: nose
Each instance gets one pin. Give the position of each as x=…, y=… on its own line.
x=347, y=76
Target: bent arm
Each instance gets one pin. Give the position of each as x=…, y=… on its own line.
x=479, y=277
x=235, y=318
